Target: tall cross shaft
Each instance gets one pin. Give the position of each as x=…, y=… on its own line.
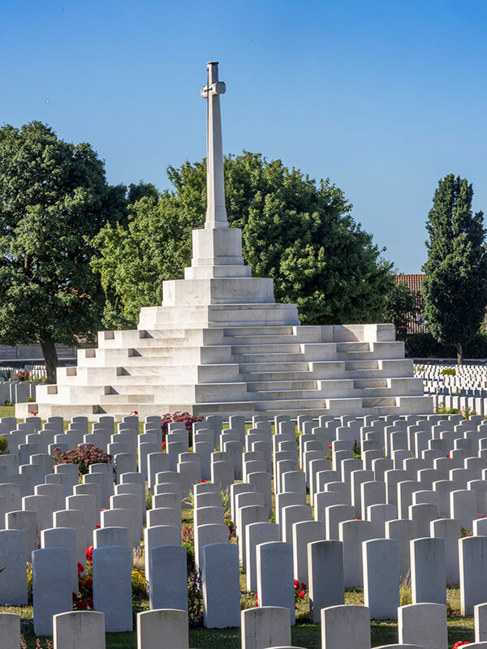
x=216, y=213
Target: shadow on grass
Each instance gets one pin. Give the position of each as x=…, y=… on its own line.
x=460, y=630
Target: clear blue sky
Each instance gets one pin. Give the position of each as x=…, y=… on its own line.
x=384, y=97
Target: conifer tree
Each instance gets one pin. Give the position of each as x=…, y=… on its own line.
x=455, y=284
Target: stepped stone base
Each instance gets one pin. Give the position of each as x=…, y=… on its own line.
x=236, y=359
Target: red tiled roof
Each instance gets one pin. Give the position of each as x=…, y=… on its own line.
x=414, y=282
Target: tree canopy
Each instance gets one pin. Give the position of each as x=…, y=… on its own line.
x=455, y=284
x=298, y=231
x=54, y=198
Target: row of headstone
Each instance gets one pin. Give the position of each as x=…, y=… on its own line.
x=17, y=391
x=465, y=388
x=283, y=542
x=420, y=626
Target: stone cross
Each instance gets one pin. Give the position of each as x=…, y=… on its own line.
x=216, y=213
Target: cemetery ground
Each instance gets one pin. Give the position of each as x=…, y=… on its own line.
x=304, y=633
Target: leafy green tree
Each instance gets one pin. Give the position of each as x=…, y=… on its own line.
x=54, y=198
x=401, y=307
x=136, y=192
x=295, y=230
x=455, y=283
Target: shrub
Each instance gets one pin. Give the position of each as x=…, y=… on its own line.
x=195, y=597
x=247, y=599
x=22, y=375
x=83, y=600
x=441, y=409
x=185, y=417
x=30, y=588
x=84, y=456
x=466, y=412
x=3, y=445
x=148, y=499
x=449, y=371
x=139, y=583
x=187, y=540
x=405, y=591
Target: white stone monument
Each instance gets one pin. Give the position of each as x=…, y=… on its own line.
x=219, y=344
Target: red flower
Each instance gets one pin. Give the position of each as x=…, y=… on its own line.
x=460, y=644
x=134, y=412
x=163, y=446
x=80, y=569
x=357, y=518
x=448, y=455
x=301, y=593
x=34, y=412
x=296, y=583
x=203, y=480
x=97, y=526
x=89, y=553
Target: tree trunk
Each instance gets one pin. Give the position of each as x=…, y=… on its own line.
x=459, y=354
x=50, y=357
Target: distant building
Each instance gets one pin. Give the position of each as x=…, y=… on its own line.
x=416, y=322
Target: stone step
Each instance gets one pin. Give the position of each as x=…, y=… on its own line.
x=376, y=402
x=270, y=330
x=163, y=333
x=257, y=368
x=364, y=374
x=134, y=399
x=261, y=340
x=281, y=385
x=269, y=356
x=353, y=347
x=245, y=408
x=270, y=348
x=369, y=383
x=311, y=411
x=165, y=342
x=129, y=386
x=152, y=352
x=275, y=375
x=351, y=366
x=372, y=392
x=354, y=356
x=296, y=404
x=285, y=395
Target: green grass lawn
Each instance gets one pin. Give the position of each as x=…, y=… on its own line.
x=7, y=411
